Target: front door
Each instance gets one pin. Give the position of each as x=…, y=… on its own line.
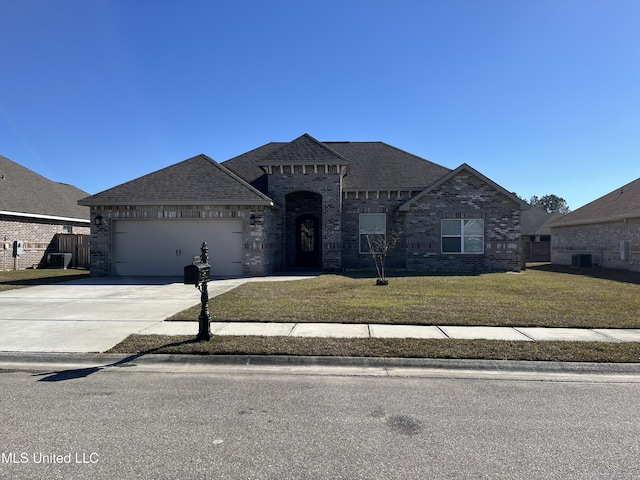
x=307, y=242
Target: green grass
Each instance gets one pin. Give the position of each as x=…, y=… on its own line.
x=12, y=279
x=540, y=297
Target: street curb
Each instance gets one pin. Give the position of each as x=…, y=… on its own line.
x=9, y=361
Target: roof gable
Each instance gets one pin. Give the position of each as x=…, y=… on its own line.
x=25, y=192
x=304, y=150
x=622, y=203
x=464, y=167
x=199, y=180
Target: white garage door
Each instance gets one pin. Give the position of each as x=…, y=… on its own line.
x=164, y=247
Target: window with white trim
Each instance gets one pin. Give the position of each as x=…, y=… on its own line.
x=463, y=236
x=373, y=231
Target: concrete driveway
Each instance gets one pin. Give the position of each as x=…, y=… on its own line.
x=94, y=314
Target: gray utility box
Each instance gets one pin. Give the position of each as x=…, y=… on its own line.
x=197, y=273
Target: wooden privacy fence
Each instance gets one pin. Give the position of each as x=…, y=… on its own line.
x=75, y=244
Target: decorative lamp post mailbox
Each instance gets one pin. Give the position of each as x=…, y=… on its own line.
x=198, y=274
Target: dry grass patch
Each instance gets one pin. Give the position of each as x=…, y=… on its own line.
x=385, y=348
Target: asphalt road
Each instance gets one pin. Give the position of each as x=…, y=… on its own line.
x=200, y=424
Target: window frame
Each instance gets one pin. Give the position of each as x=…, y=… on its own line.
x=363, y=246
x=462, y=236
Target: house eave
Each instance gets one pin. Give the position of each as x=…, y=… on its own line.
x=44, y=217
x=593, y=221
x=156, y=203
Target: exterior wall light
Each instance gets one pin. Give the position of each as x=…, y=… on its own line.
x=252, y=219
x=98, y=221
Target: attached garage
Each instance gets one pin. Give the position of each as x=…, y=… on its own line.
x=155, y=225
x=164, y=247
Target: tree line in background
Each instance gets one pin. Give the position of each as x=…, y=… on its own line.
x=549, y=203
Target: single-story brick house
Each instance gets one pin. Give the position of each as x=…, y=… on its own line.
x=306, y=204
x=605, y=232
x=33, y=211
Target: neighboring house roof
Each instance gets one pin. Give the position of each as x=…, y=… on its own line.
x=464, y=167
x=371, y=165
x=24, y=193
x=622, y=203
x=199, y=180
x=535, y=221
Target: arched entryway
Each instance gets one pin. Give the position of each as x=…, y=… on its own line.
x=303, y=230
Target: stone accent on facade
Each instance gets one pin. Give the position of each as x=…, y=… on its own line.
x=608, y=244
x=37, y=235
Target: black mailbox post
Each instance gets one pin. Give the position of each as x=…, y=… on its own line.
x=198, y=274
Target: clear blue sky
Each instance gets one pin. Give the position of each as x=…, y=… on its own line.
x=541, y=96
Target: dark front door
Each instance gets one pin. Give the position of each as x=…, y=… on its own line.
x=307, y=242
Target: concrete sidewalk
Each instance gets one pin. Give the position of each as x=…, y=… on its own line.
x=341, y=330
x=94, y=314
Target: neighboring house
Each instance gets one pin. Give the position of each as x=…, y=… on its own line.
x=306, y=204
x=605, y=232
x=536, y=234
x=33, y=210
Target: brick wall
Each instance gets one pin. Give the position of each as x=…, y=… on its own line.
x=38, y=236
x=602, y=241
x=463, y=196
x=373, y=202
x=328, y=186
x=260, y=243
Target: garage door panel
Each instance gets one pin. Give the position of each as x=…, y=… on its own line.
x=164, y=247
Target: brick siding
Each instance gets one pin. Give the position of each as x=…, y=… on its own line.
x=601, y=240
x=328, y=187
x=463, y=196
x=38, y=236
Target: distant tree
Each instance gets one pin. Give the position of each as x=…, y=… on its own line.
x=550, y=204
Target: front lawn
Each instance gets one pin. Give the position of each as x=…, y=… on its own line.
x=11, y=279
x=543, y=296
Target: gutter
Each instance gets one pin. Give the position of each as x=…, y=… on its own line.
x=44, y=217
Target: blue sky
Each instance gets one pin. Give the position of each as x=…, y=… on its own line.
x=541, y=96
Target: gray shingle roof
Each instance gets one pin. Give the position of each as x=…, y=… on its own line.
x=622, y=203
x=379, y=166
x=304, y=150
x=199, y=180
x=535, y=221
x=23, y=191
x=371, y=165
